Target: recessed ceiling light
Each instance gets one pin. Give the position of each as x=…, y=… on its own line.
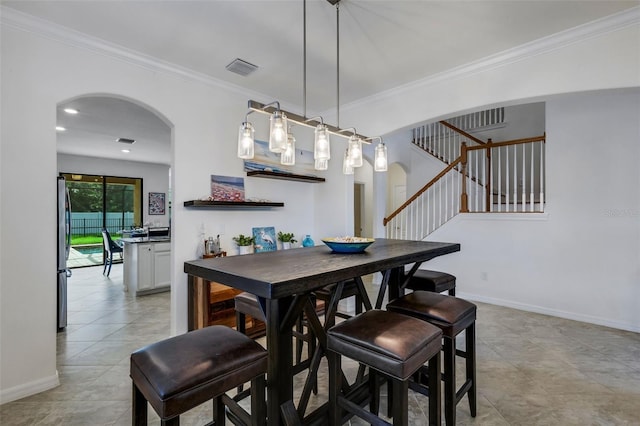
x=126, y=151
x=60, y=129
x=71, y=111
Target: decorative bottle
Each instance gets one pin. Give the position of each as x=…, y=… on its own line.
x=308, y=242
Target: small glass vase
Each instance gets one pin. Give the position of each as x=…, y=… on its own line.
x=308, y=242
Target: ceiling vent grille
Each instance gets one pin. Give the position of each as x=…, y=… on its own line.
x=241, y=67
x=125, y=140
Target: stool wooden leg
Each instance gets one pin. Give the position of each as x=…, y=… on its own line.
x=171, y=422
x=241, y=326
x=335, y=385
x=435, y=399
x=449, y=349
x=470, y=363
x=400, y=402
x=258, y=401
x=241, y=323
x=139, y=408
x=452, y=291
x=374, y=392
x=218, y=411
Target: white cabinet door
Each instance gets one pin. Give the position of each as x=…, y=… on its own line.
x=145, y=267
x=162, y=268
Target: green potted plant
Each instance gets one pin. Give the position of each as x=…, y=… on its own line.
x=244, y=243
x=286, y=238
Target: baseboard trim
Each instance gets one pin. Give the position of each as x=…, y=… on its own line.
x=28, y=389
x=551, y=312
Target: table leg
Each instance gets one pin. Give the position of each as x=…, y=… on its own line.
x=280, y=359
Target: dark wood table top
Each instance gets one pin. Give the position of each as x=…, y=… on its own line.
x=284, y=273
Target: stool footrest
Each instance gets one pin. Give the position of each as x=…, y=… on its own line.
x=463, y=390
x=361, y=412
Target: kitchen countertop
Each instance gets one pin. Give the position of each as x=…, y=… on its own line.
x=141, y=240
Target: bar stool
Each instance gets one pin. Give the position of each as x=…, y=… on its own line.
x=247, y=304
x=350, y=289
x=434, y=281
x=453, y=316
x=393, y=345
x=180, y=373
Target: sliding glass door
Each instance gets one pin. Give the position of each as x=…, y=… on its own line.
x=98, y=202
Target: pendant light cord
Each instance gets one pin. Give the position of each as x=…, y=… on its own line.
x=304, y=59
x=338, y=64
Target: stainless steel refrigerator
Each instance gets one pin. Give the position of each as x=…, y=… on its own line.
x=64, y=245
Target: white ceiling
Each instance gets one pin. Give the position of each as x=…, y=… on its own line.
x=383, y=44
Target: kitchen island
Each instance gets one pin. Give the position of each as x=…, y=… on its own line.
x=147, y=265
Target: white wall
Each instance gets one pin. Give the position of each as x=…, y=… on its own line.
x=155, y=177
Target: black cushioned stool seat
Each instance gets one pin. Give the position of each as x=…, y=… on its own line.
x=453, y=316
x=434, y=281
x=180, y=373
x=393, y=344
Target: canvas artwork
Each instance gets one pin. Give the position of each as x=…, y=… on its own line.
x=264, y=159
x=156, y=203
x=227, y=188
x=264, y=239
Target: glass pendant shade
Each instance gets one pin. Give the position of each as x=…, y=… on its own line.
x=288, y=156
x=245, y=141
x=347, y=164
x=321, y=147
x=355, y=151
x=380, y=160
x=278, y=132
x=321, y=164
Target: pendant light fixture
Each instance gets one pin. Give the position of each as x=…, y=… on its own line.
x=282, y=141
x=321, y=164
x=380, y=158
x=246, y=139
x=277, y=131
x=288, y=156
x=347, y=163
x=322, y=144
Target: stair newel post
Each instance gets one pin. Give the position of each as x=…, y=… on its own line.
x=464, y=208
x=487, y=178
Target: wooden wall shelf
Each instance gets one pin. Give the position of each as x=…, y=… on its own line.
x=284, y=176
x=231, y=204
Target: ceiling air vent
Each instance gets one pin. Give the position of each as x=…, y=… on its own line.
x=125, y=140
x=241, y=67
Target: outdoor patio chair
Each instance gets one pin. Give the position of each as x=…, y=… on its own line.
x=110, y=247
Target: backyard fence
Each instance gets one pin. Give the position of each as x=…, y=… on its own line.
x=85, y=224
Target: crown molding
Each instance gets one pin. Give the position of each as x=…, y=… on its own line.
x=47, y=29
x=525, y=51
x=70, y=37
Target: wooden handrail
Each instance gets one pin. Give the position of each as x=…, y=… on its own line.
x=542, y=138
x=421, y=191
x=462, y=132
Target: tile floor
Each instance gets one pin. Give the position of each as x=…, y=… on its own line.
x=532, y=369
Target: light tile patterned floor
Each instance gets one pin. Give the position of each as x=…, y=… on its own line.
x=532, y=369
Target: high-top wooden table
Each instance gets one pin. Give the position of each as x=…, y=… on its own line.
x=282, y=280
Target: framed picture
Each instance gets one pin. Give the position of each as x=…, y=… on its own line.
x=264, y=239
x=156, y=203
x=227, y=188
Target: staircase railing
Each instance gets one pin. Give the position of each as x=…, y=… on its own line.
x=493, y=177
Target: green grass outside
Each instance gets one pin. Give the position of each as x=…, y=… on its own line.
x=85, y=240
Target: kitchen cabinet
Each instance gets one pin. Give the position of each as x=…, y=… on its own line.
x=147, y=266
